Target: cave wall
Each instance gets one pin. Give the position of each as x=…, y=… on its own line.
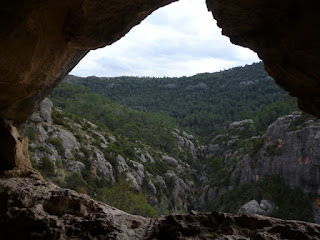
x=286, y=36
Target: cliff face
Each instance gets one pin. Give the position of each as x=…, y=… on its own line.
x=69, y=144
x=288, y=148
x=197, y=177
x=291, y=150
x=32, y=208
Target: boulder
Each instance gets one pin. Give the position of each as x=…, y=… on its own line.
x=74, y=166
x=104, y=168
x=253, y=207
x=171, y=161
x=46, y=109
x=35, y=117
x=121, y=165
x=69, y=140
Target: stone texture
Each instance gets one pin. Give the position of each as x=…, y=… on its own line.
x=171, y=161
x=104, y=168
x=184, y=141
x=253, y=207
x=68, y=139
x=74, y=166
x=34, y=209
x=13, y=148
x=289, y=152
x=41, y=210
x=46, y=109
x=223, y=226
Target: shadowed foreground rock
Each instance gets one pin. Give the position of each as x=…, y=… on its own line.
x=31, y=208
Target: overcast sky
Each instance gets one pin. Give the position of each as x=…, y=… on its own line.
x=181, y=39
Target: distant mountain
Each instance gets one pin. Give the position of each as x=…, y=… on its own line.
x=203, y=104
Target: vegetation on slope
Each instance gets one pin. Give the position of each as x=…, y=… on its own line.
x=151, y=128
x=141, y=113
x=203, y=104
x=291, y=204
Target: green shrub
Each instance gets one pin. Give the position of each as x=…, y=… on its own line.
x=30, y=132
x=122, y=197
x=273, y=150
x=76, y=182
x=43, y=149
x=45, y=126
x=46, y=167
x=57, y=143
x=291, y=203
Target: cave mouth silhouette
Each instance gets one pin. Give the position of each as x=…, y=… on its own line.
x=180, y=39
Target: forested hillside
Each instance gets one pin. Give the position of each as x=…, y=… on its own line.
x=203, y=104
x=127, y=141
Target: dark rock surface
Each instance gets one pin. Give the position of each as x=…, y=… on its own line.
x=34, y=209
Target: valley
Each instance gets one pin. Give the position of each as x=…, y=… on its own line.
x=211, y=142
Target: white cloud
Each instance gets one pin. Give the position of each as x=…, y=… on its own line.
x=181, y=39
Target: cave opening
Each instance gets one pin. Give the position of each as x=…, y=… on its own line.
x=51, y=48
x=180, y=39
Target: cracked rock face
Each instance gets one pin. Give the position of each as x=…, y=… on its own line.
x=31, y=208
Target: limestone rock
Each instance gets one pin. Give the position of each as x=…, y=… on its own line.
x=42, y=133
x=104, y=168
x=122, y=166
x=46, y=109
x=253, y=207
x=184, y=142
x=183, y=192
x=267, y=206
x=69, y=140
x=171, y=161
x=240, y=123
x=13, y=147
x=35, y=117
x=290, y=152
x=101, y=137
x=42, y=210
x=74, y=166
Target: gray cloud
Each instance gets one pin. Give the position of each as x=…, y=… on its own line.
x=181, y=39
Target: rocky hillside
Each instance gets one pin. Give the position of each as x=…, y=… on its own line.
x=76, y=153
x=279, y=166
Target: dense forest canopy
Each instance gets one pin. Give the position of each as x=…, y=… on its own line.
x=204, y=104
